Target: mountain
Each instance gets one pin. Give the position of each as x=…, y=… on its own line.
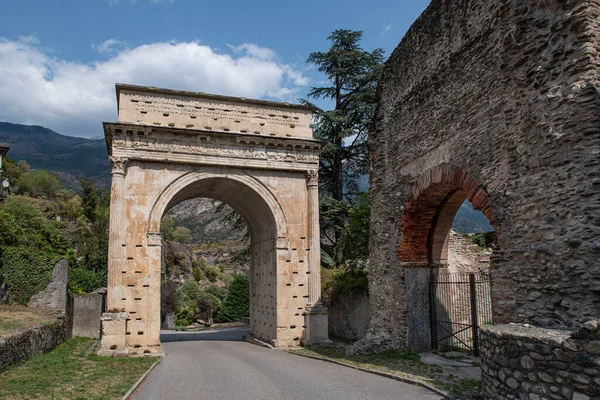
x=71, y=158
x=470, y=220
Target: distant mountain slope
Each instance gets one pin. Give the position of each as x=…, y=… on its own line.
x=469, y=220
x=71, y=158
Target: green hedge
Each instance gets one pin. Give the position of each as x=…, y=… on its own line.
x=26, y=271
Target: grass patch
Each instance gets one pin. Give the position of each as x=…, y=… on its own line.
x=403, y=364
x=14, y=319
x=64, y=373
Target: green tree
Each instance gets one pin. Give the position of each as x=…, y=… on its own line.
x=89, y=199
x=13, y=171
x=217, y=291
x=167, y=227
x=355, y=239
x=237, y=302
x=352, y=74
x=38, y=183
x=182, y=234
x=197, y=274
x=212, y=273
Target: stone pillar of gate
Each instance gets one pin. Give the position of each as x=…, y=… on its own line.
x=114, y=320
x=317, y=331
x=416, y=278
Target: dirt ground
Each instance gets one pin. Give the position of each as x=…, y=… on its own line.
x=14, y=319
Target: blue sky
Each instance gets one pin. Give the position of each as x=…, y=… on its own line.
x=59, y=60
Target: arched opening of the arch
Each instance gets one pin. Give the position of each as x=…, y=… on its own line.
x=262, y=229
x=428, y=252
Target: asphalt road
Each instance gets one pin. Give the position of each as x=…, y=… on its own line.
x=219, y=365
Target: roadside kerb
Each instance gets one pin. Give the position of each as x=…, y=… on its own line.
x=141, y=380
x=380, y=373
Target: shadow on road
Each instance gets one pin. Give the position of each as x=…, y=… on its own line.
x=223, y=335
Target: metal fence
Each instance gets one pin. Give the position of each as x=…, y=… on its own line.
x=460, y=303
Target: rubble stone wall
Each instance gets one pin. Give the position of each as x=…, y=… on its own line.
x=523, y=362
x=500, y=100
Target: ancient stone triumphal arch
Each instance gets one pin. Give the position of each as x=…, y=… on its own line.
x=257, y=156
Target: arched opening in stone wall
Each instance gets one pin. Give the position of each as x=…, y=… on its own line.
x=262, y=260
x=205, y=247
x=439, y=290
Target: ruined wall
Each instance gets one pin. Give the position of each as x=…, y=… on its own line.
x=348, y=316
x=464, y=256
x=523, y=362
x=504, y=95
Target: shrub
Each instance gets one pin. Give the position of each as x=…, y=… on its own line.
x=212, y=273
x=217, y=291
x=225, y=278
x=344, y=280
x=207, y=306
x=185, y=316
x=190, y=292
x=237, y=302
x=82, y=280
x=197, y=274
x=181, y=234
x=26, y=271
x=199, y=262
x=10, y=232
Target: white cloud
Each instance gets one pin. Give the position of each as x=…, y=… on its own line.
x=74, y=98
x=262, y=53
x=110, y=46
x=386, y=29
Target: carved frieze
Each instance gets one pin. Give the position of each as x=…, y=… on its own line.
x=207, y=145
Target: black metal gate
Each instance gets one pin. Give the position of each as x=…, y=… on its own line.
x=460, y=303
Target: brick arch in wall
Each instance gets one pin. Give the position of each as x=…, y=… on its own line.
x=435, y=198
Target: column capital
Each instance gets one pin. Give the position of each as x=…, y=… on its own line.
x=118, y=165
x=312, y=178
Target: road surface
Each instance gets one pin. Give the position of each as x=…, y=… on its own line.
x=219, y=365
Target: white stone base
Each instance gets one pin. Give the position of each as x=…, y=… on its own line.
x=317, y=332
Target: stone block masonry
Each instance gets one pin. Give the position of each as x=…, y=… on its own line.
x=523, y=362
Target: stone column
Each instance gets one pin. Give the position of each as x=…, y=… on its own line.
x=116, y=251
x=316, y=312
x=114, y=321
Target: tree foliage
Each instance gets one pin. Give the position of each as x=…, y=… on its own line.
x=26, y=271
x=42, y=220
x=237, y=302
x=352, y=75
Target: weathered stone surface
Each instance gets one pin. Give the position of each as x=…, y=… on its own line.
x=257, y=156
x=24, y=345
x=348, y=316
x=495, y=102
x=87, y=311
x=536, y=376
x=55, y=295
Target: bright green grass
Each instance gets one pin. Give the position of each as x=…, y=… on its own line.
x=64, y=373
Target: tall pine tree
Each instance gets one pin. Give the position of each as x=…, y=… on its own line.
x=352, y=74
